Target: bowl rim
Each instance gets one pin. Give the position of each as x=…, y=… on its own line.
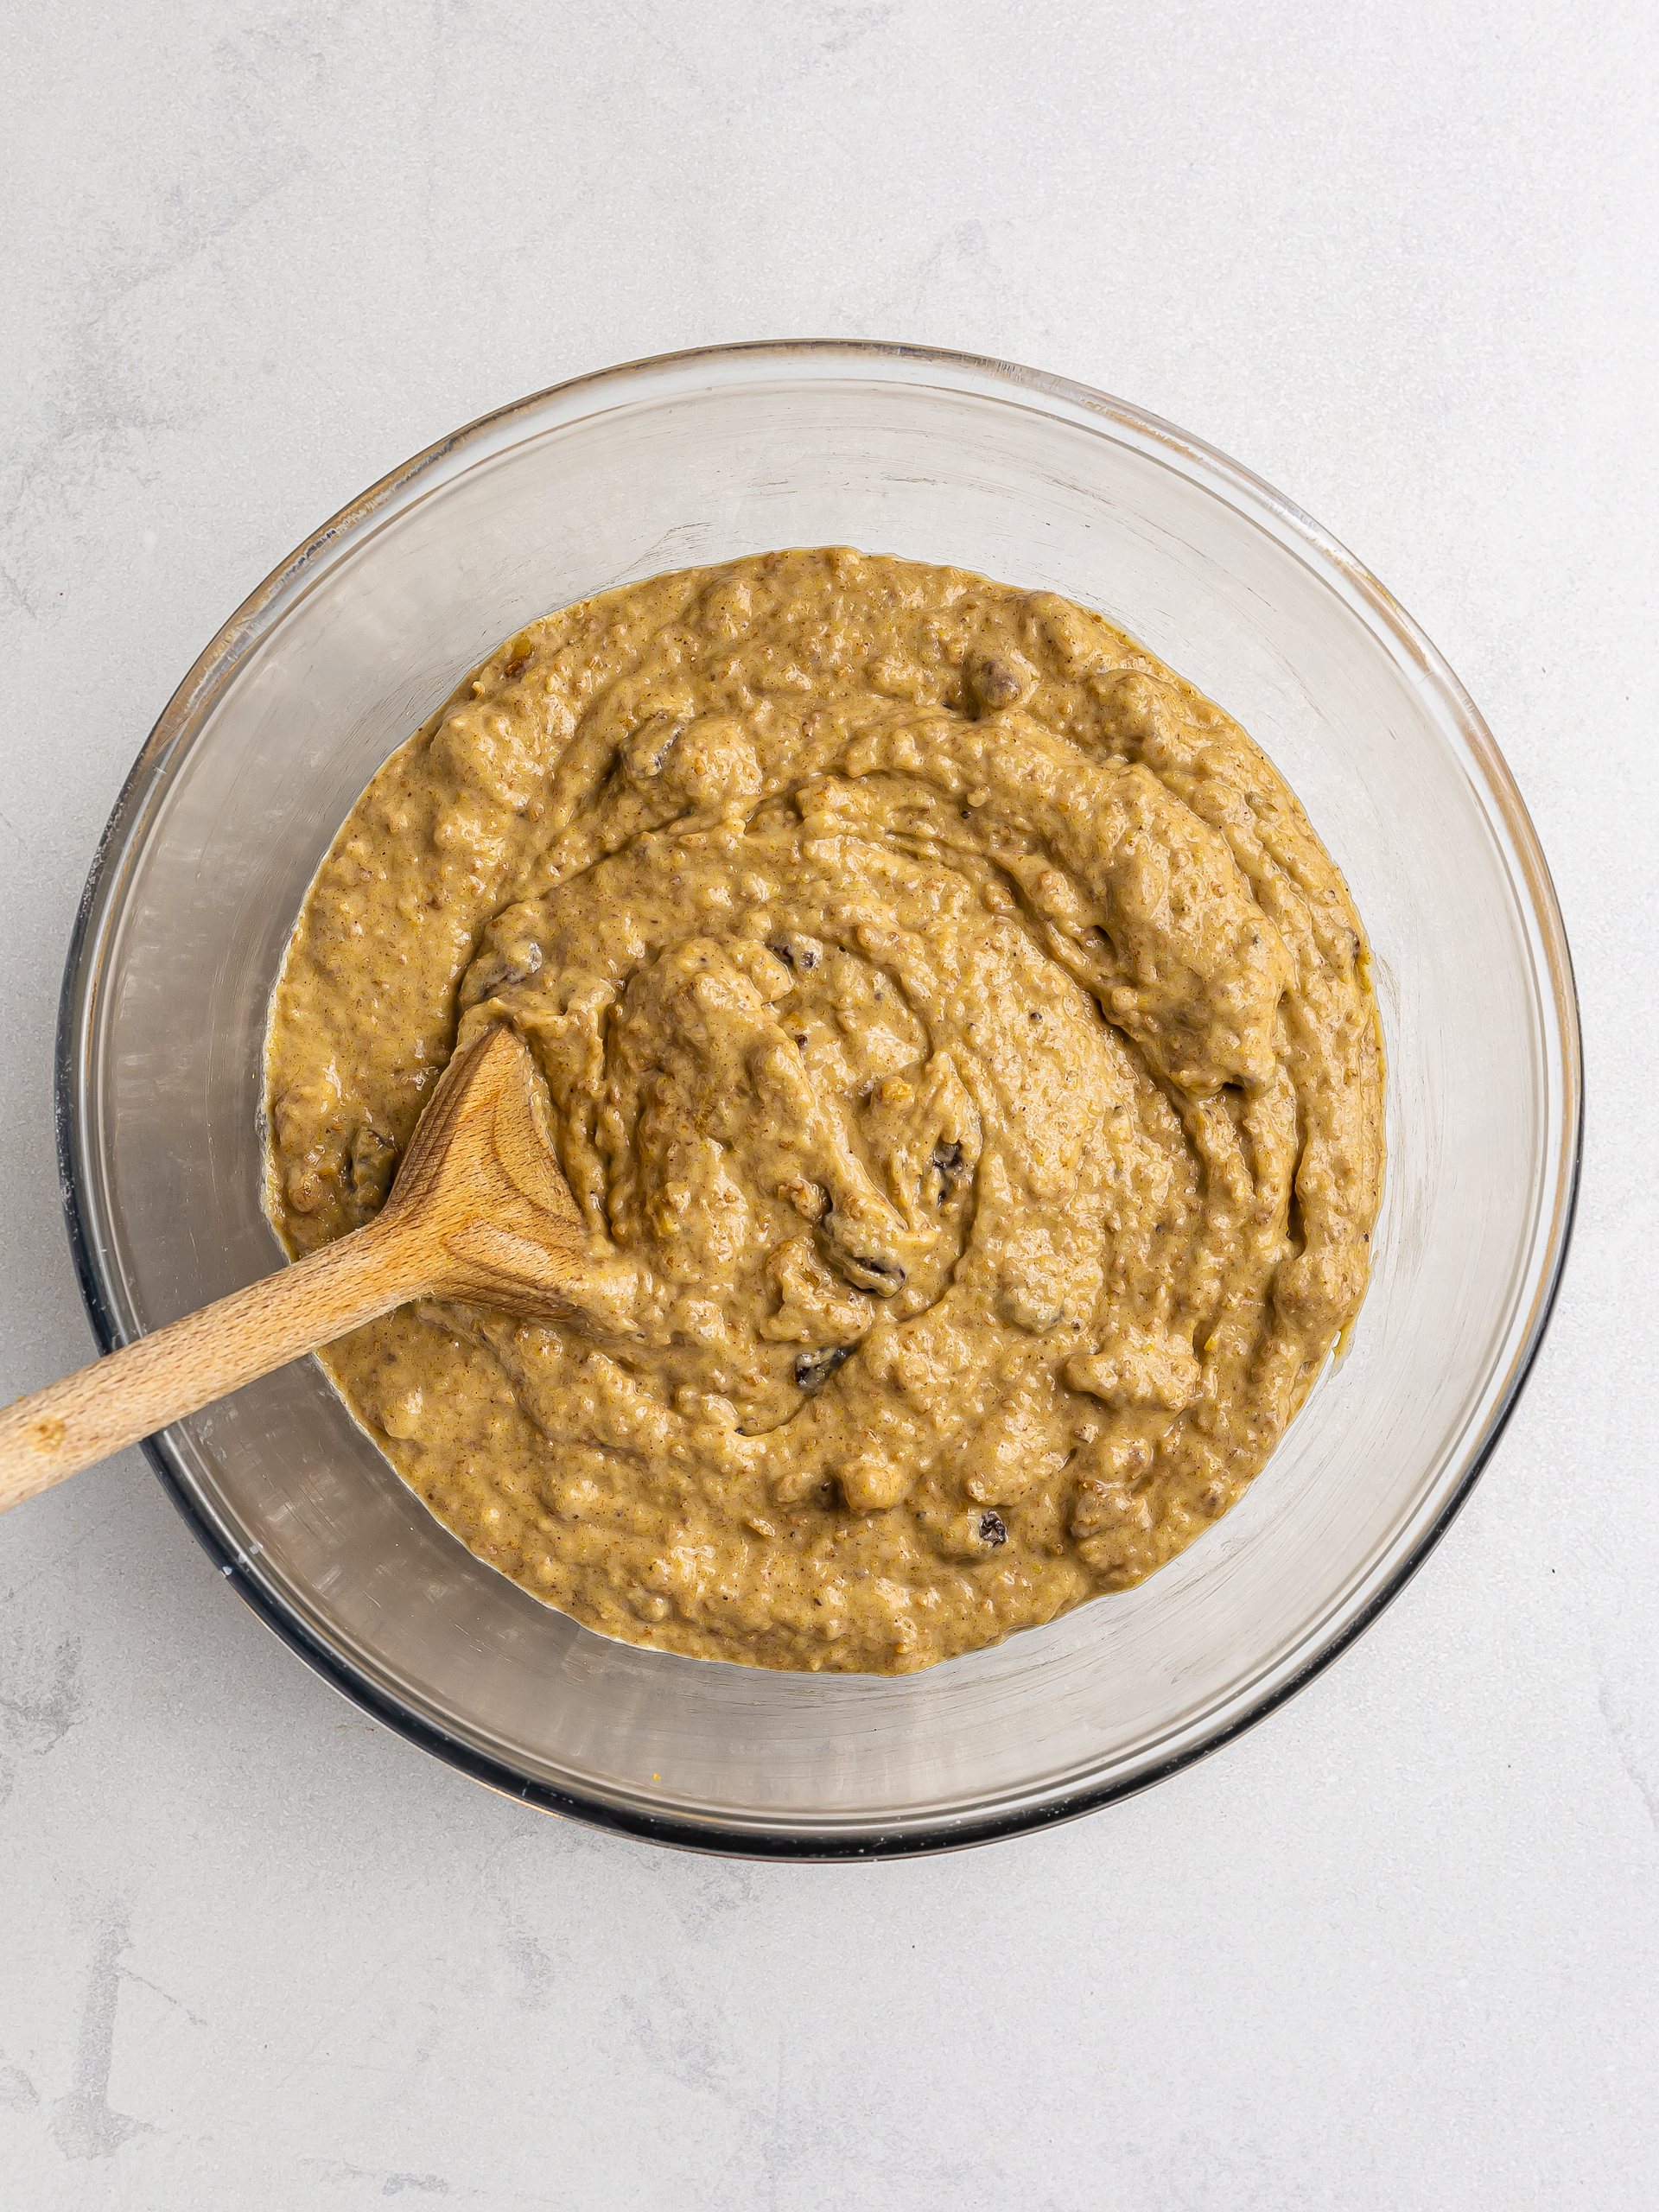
x=212, y=672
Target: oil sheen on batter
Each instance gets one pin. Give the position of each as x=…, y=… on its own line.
x=952, y=1021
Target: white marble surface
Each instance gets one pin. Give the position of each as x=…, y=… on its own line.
x=1399, y=1946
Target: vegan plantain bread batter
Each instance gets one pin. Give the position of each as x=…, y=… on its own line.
x=960, y=1046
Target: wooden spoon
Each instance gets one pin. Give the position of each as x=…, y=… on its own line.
x=480, y=1211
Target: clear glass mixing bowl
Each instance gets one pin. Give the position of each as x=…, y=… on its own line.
x=695, y=458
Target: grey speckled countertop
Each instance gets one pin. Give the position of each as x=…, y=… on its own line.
x=1399, y=1946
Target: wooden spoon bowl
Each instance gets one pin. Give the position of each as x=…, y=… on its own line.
x=480, y=1210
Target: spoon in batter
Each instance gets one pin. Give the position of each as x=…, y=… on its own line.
x=480, y=1211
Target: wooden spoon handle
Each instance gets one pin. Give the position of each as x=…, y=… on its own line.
x=141, y=1387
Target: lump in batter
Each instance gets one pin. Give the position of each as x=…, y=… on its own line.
x=956, y=1038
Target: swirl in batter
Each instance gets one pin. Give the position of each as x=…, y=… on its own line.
x=960, y=1048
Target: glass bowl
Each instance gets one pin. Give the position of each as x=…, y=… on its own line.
x=695, y=458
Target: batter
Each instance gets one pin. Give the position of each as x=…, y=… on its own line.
x=955, y=1034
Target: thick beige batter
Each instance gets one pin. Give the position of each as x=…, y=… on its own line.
x=953, y=1024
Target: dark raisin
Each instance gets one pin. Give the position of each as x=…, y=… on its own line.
x=500, y=970
x=783, y=953
x=814, y=1369
x=809, y=958
x=374, y=1158
x=948, y=1158
x=993, y=681
x=993, y=1530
